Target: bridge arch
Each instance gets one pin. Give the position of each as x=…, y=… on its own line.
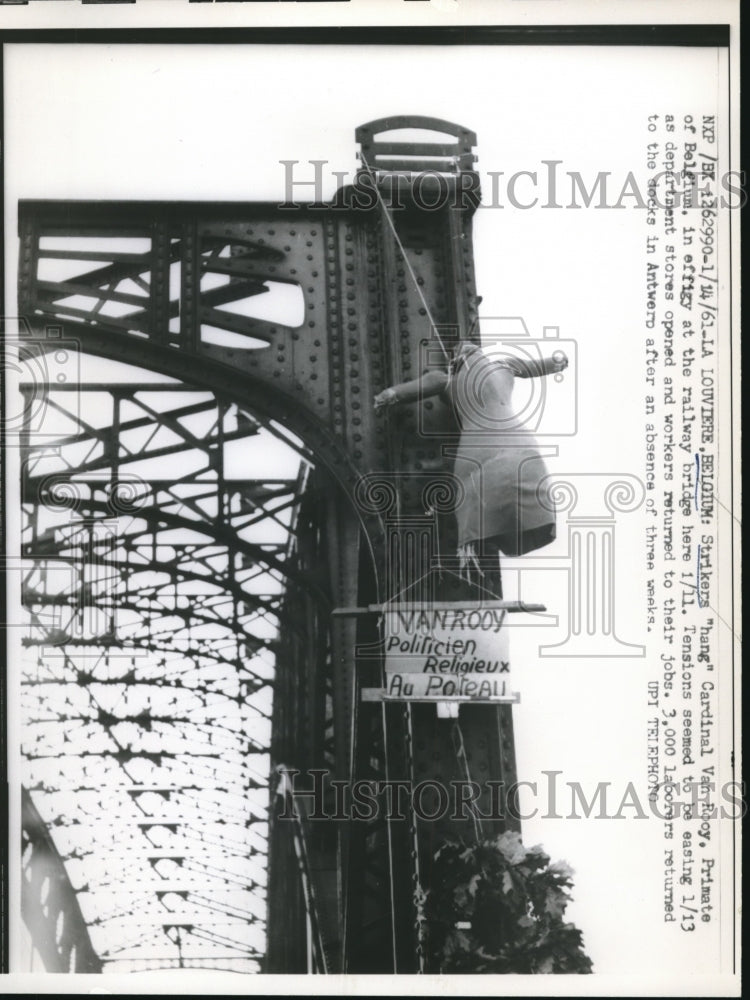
x=176, y=287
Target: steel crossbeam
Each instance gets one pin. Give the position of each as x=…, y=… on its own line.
x=178, y=688
x=182, y=608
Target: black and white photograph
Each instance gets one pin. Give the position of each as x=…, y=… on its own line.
x=370, y=522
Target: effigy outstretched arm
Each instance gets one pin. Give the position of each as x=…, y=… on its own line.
x=430, y=384
x=536, y=369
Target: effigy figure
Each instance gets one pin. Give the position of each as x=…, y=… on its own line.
x=497, y=461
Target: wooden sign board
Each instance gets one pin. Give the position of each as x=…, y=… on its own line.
x=445, y=654
x=445, y=642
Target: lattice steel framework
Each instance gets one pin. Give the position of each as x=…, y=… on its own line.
x=280, y=320
x=156, y=615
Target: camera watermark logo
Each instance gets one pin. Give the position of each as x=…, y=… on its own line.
x=499, y=492
x=33, y=366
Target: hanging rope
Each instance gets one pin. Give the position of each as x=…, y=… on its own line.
x=400, y=245
x=418, y=893
x=285, y=790
x=458, y=742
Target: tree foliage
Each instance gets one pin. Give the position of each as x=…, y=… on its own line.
x=498, y=907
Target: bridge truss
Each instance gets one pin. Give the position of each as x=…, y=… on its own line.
x=187, y=542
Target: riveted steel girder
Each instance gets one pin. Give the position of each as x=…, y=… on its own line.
x=293, y=317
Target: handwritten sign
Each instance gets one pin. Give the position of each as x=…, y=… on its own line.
x=443, y=654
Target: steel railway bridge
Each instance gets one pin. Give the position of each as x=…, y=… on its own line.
x=208, y=498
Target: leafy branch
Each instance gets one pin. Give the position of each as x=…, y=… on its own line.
x=498, y=907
